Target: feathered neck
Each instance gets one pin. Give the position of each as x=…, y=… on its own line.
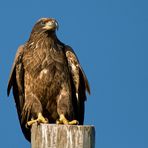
x=44, y=39
x=35, y=35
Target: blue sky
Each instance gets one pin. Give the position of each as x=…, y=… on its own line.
x=110, y=38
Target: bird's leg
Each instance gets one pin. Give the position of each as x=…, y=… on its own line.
x=63, y=120
x=40, y=119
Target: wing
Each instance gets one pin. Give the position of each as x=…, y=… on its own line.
x=12, y=76
x=80, y=81
x=16, y=81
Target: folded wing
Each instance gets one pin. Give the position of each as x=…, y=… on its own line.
x=80, y=81
x=16, y=82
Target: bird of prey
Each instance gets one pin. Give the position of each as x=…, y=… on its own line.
x=49, y=84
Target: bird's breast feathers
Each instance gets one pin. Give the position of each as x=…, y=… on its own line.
x=43, y=73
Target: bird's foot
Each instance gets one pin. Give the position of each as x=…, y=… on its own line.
x=63, y=120
x=40, y=119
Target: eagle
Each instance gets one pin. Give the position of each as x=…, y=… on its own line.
x=48, y=82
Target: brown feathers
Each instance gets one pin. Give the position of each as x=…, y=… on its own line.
x=47, y=78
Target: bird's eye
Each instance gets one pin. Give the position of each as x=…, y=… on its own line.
x=42, y=23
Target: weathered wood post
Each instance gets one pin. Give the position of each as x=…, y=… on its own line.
x=62, y=136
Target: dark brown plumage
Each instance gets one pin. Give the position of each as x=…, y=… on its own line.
x=47, y=78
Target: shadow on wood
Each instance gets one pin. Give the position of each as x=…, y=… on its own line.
x=62, y=136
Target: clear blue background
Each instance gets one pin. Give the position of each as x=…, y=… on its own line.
x=110, y=38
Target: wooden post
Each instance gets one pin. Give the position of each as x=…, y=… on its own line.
x=62, y=136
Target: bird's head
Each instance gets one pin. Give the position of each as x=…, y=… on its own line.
x=46, y=24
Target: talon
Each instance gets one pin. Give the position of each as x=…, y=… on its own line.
x=40, y=119
x=29, y=123
x=74, y=122
x=58, y=122
x=63, y=120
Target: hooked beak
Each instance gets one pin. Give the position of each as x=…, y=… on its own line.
x=51, y=25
